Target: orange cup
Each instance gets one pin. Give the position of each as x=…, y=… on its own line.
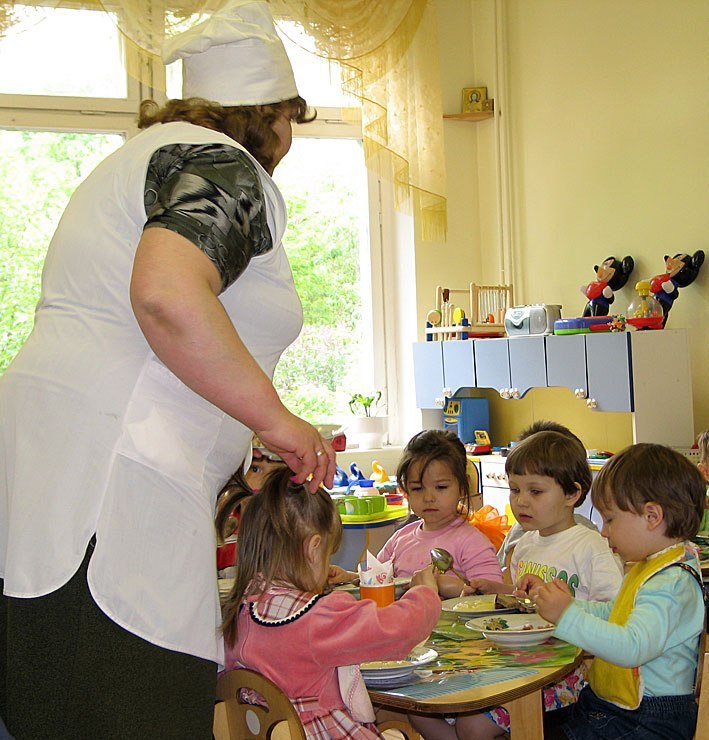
x=381, y=595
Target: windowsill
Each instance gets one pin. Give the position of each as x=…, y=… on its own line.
x=387, y=456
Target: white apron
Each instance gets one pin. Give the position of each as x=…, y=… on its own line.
x=98, y=436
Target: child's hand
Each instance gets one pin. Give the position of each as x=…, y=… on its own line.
x=484, y=586
x=526, y=583
x=336, y=575
x=425, y=577
x=552, y=599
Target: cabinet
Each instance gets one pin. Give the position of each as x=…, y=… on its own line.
x=644, y=372
x=441, y=369
x=596, y=367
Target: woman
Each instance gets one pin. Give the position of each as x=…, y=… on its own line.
x=166, y=302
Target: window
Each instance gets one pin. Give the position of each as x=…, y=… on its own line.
x=55, y=127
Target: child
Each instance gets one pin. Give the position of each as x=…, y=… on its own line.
x=231, y=503
x=280, y=622
x=548, y=478
x=645, y=640
x=504, y=554
x=432, y=473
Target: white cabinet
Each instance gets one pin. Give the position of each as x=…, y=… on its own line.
x=643, y=372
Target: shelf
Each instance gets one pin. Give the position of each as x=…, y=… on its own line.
x=477, y=115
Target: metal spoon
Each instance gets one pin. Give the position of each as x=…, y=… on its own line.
x=526, y=604
x=443, y=562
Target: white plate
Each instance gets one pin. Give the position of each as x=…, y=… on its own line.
x=418, y=657
x=375, y=682
x=474, y=606
x=513, y=634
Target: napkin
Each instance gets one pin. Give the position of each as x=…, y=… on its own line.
x=375, y=573
x=354, y=693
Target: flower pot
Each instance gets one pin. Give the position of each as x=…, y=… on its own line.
x=369, y=432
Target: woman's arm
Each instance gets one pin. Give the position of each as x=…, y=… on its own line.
x=173, y=292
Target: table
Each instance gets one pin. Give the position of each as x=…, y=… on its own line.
x=517, y=688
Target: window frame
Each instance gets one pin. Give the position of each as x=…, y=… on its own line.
x=119, y=116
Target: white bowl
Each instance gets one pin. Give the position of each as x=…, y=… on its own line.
x=513, y=630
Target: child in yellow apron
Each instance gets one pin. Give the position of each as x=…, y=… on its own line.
x=646, y=640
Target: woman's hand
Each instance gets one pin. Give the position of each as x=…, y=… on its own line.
x=552, y=599
x=337, y=575
x=425, y=577
x=302, y=448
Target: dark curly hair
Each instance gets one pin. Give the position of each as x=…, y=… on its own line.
x=249, y=125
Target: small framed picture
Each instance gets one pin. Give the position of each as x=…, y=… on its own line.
x=473, y=99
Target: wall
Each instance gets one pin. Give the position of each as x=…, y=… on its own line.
x=605, y=123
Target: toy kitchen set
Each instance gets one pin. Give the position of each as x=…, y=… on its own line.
x=608, y=363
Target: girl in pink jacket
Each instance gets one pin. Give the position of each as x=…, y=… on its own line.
x=281, y=620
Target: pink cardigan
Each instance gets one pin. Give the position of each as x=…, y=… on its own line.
x=301, y=653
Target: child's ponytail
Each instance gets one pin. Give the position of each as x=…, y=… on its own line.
x=272, y=535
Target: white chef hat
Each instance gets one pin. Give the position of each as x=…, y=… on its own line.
x=234, y=58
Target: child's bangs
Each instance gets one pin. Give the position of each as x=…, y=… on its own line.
x=533, y=459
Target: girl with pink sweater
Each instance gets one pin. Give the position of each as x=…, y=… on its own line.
x=281, y=621
x=433, y=474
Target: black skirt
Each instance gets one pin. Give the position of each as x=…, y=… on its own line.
x=68, y=671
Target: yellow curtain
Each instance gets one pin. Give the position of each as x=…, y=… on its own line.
x=388, y=52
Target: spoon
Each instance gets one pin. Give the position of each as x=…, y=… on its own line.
x=442, y=561
x=526, y=604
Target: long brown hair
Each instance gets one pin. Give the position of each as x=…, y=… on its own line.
x=250, y=125
x=272, y=533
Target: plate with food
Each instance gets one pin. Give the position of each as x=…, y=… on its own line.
x=418, y=658
x=513, y=630
x=475, y=606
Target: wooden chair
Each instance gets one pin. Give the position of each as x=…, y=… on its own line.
x=393, y=728
x=234, y=719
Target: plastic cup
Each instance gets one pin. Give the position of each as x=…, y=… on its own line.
x=381, y=595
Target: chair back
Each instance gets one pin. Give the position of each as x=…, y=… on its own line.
x=236, y=719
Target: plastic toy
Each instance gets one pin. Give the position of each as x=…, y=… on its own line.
x=611, y=275
x=680, y=271
x=357, y=474
x=618, y=323
x=379, y=473
x=645, y=312
x=341, y=478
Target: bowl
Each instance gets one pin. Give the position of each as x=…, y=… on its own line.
x=513, y=630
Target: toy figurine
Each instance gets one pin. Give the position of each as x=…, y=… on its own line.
x=611, y=275
x=680, y=271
